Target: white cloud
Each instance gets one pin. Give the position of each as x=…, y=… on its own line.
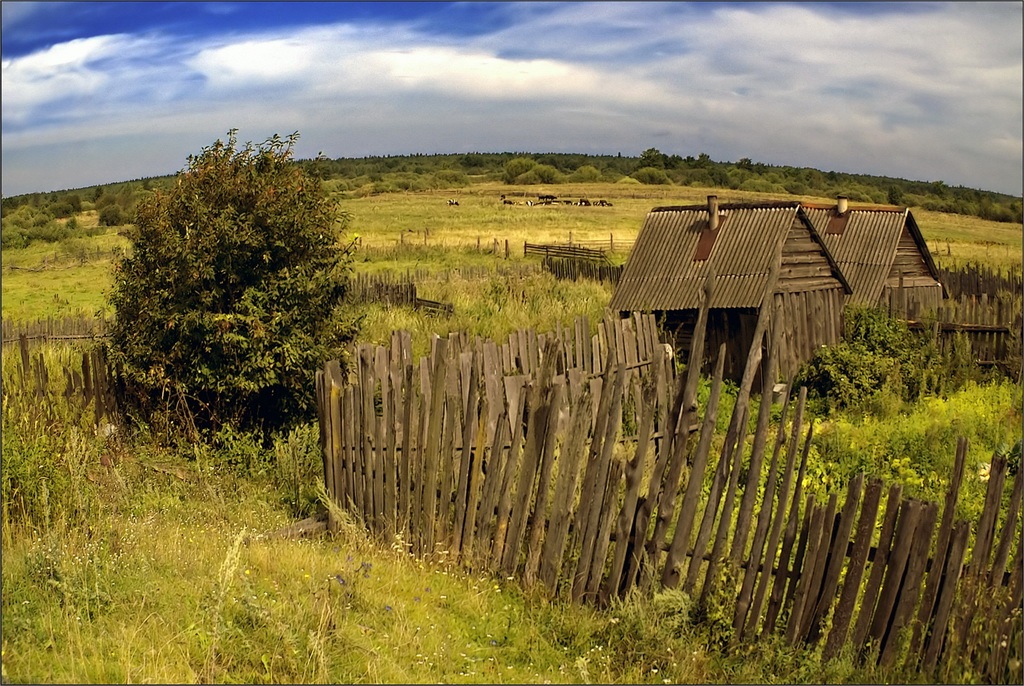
x=883, y=93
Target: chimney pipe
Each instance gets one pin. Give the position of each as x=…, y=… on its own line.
x=712, y=212
x=841, y=204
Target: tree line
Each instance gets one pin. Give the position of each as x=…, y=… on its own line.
x=47, y=216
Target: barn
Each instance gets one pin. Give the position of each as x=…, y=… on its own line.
x=881, y=253
x=755, y=250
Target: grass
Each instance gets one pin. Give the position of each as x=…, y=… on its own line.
x=128, y=560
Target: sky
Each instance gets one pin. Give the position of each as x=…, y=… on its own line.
x=100, y=92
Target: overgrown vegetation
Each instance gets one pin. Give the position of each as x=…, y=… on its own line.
x=881, y=357
x=231, y=296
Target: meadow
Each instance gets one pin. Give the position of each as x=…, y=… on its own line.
x=129, y=560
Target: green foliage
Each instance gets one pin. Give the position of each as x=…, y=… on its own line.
x=881, y=357
x=112, y=215
x=230, y=300
x=651, y=176
x=516, y=167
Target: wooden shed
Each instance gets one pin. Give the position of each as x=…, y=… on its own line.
x=756, y=250
x=879, y=249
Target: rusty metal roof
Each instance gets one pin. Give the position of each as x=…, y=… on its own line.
x=662, y=274
x=866, y=245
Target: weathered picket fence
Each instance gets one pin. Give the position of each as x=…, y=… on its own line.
x=55, y=329
x=86, y=382
x=589, y=480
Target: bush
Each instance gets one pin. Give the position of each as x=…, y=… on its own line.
x=651, y=176
x=112, y=215
x=881, y=355
x=230, y=300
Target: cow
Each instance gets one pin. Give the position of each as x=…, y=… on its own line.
x=453, y=203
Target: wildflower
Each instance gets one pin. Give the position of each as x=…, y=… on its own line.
x=339, y=579
x=387, y=608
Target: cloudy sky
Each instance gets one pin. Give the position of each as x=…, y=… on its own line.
x=98, y=92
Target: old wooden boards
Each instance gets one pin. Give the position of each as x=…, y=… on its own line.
x=584, y=465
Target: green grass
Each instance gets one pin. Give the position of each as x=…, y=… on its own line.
x=127, y=560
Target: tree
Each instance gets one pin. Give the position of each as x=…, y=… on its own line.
x=516, y=167
x=229, y=301
x=651, y=157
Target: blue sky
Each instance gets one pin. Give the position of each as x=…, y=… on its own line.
x=97, y=92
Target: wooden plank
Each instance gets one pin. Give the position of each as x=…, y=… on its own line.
x=935, y=641
x=934, y=578
x=383, y=513
x=465, y=503
x=563, y=504
x=539, y=522
x=855, y=571
x=869, y=597
x=1009, y=532
x=409, y=433
x=518, y=391
x=836, y=558
x=751, y=487
x=633, y=473
x=671, y=575
x=593, y=505
x=684, y=415
x=777, y=520
x=803, y=568
x=911, y=584
x=910, y=516
x=432, y=446
x=539, y=412
x=783, y=575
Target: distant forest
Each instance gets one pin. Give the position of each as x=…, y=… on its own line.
x=50, y=216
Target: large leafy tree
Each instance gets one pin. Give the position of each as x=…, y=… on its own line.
x=230, y=299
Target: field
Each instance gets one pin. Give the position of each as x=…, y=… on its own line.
x=126, y=560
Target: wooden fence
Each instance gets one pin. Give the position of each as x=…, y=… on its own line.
x=86, y=383
x=992, y=324
x=573, y=269
x=978, y=279
x=55, y=329
x=578, y=252
x=517, y=459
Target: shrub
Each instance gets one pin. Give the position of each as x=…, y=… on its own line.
x=112, y=215
x=651, y=176
x=230, y=300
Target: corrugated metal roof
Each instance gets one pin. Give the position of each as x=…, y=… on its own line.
x=661, y=273
x=866, y=248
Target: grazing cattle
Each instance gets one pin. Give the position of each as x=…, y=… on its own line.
x=603, y=203
x=453, y=203
x=504, y=201
x=583, y=202
x=546, y=199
